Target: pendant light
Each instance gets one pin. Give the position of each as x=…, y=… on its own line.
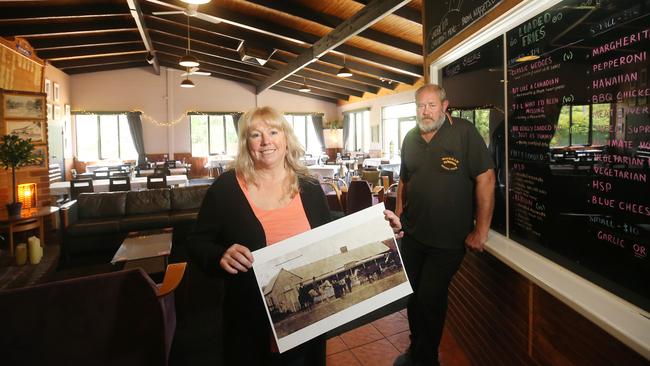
x=344, y=72
x=187, y=83
x=188, y=60
x=304, y=87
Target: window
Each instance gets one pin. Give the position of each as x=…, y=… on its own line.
x=104, y=136
x=397, y=120
x=213, y=134
x=304, y=129
x=479, y=117
x=582, y=125
x=359, y=131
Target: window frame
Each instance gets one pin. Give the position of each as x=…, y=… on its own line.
x=209, y=116
x=352, y=130
x=399, y=120
x=98, y=116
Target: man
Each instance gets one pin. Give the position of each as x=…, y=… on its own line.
x=446, y=182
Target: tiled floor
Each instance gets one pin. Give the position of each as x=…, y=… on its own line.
x=380, y=342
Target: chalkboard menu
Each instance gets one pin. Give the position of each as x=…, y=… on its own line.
x=446, y=18
x=579, y=140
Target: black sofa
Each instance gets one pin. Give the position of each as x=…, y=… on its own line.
x=95, y=224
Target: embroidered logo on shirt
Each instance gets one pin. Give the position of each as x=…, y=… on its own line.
x=449, y=163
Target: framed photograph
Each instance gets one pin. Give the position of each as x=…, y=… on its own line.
x=57, y=112
x=50, y=112
x=27, y=130
x=48, y=89
x=23, y=105
x=41, y=152
x=56, y=92
x=321, y=279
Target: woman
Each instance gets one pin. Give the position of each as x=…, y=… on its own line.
x=265, y=197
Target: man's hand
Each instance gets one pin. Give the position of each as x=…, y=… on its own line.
x=475, y=241
x=394, y=222
x=236, y=259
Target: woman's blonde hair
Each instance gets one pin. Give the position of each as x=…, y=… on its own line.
x=243, y=163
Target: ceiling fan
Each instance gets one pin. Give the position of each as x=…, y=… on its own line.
x=191, y=10
x=195, y=71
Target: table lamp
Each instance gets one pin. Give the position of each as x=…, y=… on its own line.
x=27, y=195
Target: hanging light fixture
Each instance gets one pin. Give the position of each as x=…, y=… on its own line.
x=188, y=60
x=344, y=72
x=304, y=87
x=187, y=83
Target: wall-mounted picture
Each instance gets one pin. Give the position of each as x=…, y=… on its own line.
x=56, y=92
x=18, y=105
x=50, y=112
x=57, y=112
x=27, y=130
x=41, y=152
x=48, y=89
x=321, y=279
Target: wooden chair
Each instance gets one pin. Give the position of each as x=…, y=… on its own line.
x=156, y=181
x=78, y=186
x=119, y=184
x=333, y=196
x=359, y=196
x=115, y=318
x=371, y=176
x=390, y=198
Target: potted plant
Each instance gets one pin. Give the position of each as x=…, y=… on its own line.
x=15, y=153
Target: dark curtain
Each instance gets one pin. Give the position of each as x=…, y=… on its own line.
x=317, y=120
x=135, y=126
x=346, y=130
x=235, y=118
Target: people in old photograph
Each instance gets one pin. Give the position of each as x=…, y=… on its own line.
x=299, y=295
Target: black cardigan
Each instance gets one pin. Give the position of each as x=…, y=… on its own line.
x=226, y=218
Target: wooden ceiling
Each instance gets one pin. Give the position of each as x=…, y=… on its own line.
x=94, y=35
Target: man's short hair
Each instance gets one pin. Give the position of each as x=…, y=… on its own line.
x=432, y=87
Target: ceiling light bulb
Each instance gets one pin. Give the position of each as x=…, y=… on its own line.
x=344, y=72
x=187, y=83
x=198, y=2
x=188, y=61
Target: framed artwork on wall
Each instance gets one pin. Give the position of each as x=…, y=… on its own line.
x=26, y=130
x=48, y=89
x=56, y=92
x=41, y=152
x=17, y=105
x=50, y=112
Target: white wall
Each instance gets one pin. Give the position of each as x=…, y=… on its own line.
x=62, y=79
x=161, y=98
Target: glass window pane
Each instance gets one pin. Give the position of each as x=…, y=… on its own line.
x=231, y=136
x=600, y=123
x=580, y=125
x=561, y=137
x=358, y=129
x=299, y=128
x=217, y=135
x=86, y=127
x=366, y=131
x=468, y=115
x=199, y=135
x=482, y=123
x=397, y=111
x=404, y=127
x=350, y=143
x=109, y=148
x=127, y=148
x=390, y=133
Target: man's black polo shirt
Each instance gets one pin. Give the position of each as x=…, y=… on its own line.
x=438, y=205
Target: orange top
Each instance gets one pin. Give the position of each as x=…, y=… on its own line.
x=280, y=223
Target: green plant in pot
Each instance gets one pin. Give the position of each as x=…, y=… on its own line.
x=15, y=153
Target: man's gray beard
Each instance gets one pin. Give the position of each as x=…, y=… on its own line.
x=433, y=127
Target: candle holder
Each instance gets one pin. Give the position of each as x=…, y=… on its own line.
x=27, y=195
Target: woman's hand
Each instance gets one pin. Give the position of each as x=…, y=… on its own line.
x=236, y=259
x=394, y=222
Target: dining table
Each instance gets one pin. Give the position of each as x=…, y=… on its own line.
x=101, y=185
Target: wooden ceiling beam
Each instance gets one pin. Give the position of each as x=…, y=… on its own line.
x=405, y=12
x=95, y=61
x=331, y=21
x=196, y=34
x=91, y=51
x=136, y=13
x=42, y=10
x=86, y=25
x=313, y=83
x=215, y=75
x=366, y=17
x=83, y=70
x=76, y=40
x=197, y=47
x=311, y=94
x=215, y=69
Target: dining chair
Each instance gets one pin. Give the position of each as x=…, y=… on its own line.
x=119, y=183
x=156, y=181
x=333, y=196
x=371, y=176
x=78, y=186
x=390, y=198
x=359, y=196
